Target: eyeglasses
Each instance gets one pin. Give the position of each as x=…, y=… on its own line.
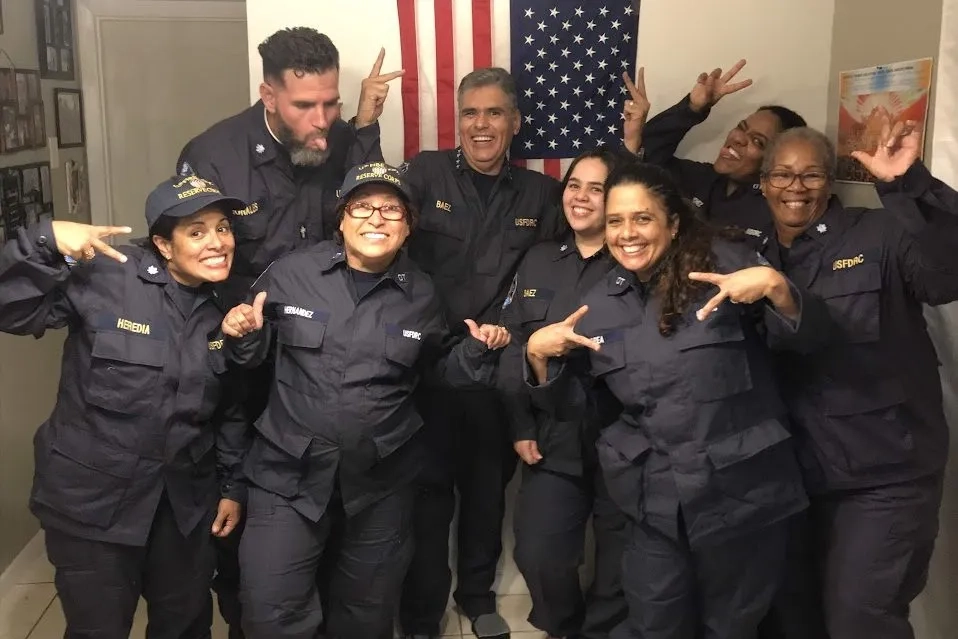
x=365, y=210
x=784, y=179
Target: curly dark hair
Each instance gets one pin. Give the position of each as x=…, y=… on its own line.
x=300, y=49
x=412, y=214
x=691, y=250
x=610, y=157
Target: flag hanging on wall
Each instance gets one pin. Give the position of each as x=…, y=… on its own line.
x=567, y=56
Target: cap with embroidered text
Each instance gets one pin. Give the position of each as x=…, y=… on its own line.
x=373, y=173
x=185, y=195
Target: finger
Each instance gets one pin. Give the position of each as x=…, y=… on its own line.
x=573, y=319
x=703, y=78
x=378, y=65
x=716, y=74
x=731, y=73
x=386, y=77
x=108, y=231
x=738, y=86
x=862, y=157
x=885, y=134
x=534, y=449
x=106, y=249
x=633, y=89
x=711, y=278
x=258, y=302
x=474, y=330
x=218, y=522
x=585, y=342
x=244, y=321
x=894, y=137
x=640, y=82
x=711, y=305
x=230, y=331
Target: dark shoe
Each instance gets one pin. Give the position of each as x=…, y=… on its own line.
x=490, y=626
x=420, y=636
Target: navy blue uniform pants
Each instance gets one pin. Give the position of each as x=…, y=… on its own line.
x=717, y=592
x=469, y=449
x=284, y=558
x=861, y=559
x=99, y=584
x=552, y=512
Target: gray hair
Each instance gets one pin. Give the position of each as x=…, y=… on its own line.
x=490, y=76
x=824, y=146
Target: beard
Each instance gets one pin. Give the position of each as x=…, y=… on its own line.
x=299, y=153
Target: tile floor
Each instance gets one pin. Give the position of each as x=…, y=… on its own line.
x=31, y=610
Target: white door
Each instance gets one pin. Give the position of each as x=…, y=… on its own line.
x=154, y=74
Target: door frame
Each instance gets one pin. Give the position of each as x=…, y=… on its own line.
x=91, y=15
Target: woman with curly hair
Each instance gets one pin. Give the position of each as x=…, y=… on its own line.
x=700, y=459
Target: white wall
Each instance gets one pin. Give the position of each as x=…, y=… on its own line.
x=786, y=46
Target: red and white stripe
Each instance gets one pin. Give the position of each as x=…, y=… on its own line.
x=441, y=41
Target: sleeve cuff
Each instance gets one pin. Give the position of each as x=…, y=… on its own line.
x=915, y=182
x=234, y=490
x=791, y=325
x=44, y=242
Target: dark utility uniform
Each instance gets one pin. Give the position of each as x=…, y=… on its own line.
x=744, y=208
x=873, y=435
x=473, y=230
x=126, y=482
x=290, y=206
x=700, y=459
x=559, y=493
x=335, y=455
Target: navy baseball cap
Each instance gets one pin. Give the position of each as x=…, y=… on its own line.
x=185, y=195
x=373, y=173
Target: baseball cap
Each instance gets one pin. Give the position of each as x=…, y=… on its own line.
x=185, y=195
x=373, y=173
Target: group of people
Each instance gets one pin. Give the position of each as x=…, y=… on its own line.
x=280, y=391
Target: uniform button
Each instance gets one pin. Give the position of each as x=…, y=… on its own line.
x=42, y=240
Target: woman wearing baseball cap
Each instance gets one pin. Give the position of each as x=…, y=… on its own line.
x=131, y=475
x=356, y=326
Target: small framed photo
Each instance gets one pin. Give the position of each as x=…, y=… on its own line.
x=23, y=92
x=39, y=126
x=9, y=129
x=25, y=129
x=46, y=186
x=69, y=117
x=8, y=85
x=54, y=21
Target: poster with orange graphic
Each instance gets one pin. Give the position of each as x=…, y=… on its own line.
x=873, y=97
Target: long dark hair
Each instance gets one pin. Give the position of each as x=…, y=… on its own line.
x=691, y=250
x=611, y=158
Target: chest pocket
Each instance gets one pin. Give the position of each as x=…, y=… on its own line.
x=713, y=357
x=403, y=351
x=125, y=372
x=299, y=364
x=251, y=222
x=853, y=297
x=521, y=232
x=610, y=357
x=532, y=311
x=213, y=388
x=438, y=241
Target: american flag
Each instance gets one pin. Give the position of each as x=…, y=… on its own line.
x=567, y=57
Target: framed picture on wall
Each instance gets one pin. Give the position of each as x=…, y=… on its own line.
x=54, y=20
x=9, y=129
x=69, y=117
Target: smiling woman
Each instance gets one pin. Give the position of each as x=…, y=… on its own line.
x=134, y=469
x=699, y=457
x=356, y=325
